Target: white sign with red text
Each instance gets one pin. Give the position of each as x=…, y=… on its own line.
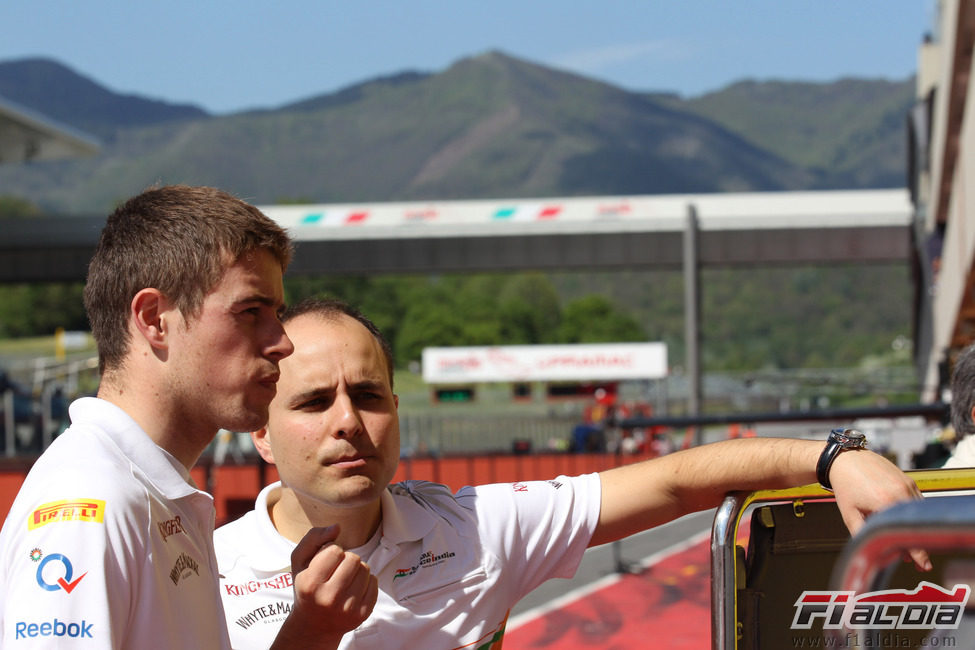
x=580, y=362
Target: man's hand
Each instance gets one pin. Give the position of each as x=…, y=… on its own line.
x=865, y=482
x=334, y=593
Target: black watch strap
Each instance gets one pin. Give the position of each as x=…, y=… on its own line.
x=826, y=459
x=839, y=440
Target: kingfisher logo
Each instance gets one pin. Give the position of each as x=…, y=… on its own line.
x=60, y=577
x=928, y=606
x=67, y=510
x=281, y=581
x=170, y=527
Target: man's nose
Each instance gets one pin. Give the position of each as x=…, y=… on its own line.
x=279, y=345
x=347, y=422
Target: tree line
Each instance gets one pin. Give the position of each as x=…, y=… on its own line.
x=761, y=318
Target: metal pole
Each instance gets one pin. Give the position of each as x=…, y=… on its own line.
x=692, y=332
x=47, y=419
x=10, y=422
x=724, y=631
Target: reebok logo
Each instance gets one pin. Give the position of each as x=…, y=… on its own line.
x=80, y=630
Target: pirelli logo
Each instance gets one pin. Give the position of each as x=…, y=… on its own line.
x=67, y=510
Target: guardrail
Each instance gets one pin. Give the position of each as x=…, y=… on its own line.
x=795, y=538
x=932, y=411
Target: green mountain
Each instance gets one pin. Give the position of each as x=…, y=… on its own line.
x=487, y=126
x=850, y=133
x=56, y=91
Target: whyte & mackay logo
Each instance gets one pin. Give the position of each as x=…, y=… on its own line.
x=185, y=565
x=270, y=612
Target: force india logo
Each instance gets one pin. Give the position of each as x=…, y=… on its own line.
x=427, y=559
x=67, y=510
x=926, y=607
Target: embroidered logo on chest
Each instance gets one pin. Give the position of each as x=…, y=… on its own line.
x=185, y=565
x=426, y=560
x=170, y=527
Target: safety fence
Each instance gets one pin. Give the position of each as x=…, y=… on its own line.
x=235, y=486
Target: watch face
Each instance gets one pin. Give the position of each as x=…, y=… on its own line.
x=848, y=437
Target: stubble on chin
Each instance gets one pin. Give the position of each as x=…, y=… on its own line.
x=246, y=418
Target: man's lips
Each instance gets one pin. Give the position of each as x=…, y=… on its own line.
x=269, y=381
x=348, y=462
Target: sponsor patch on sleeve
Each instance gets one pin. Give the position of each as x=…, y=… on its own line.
x=92, y=510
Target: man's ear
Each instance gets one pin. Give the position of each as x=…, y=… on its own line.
x=262, y=442
x=152, y=316
x=972, y=414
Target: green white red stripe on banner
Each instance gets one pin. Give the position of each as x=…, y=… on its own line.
x=527, y=212
x=335, y=218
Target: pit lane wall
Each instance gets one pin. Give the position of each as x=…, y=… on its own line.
x=235, y=487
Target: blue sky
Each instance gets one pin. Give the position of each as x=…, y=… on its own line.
x=228, y=55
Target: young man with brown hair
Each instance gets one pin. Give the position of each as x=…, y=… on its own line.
x=451, y=566
x=108, y=543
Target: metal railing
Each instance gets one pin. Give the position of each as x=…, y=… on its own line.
x=727, y=562
x=34, y=396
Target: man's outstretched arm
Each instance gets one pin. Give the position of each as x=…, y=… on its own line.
x=643, y=495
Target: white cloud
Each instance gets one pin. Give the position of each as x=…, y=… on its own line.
x=598, y=59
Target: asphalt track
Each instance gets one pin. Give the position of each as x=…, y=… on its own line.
x=660, y=599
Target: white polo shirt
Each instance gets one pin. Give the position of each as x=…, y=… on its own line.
x=109, y=545
x=449, y=567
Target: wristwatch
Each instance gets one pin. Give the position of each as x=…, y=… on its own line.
x=837, y=441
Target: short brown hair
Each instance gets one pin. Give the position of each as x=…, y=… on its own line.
x=963, y=392
x=177, y=239
x=331, y=309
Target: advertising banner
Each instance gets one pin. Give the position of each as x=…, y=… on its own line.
x=579, y=362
